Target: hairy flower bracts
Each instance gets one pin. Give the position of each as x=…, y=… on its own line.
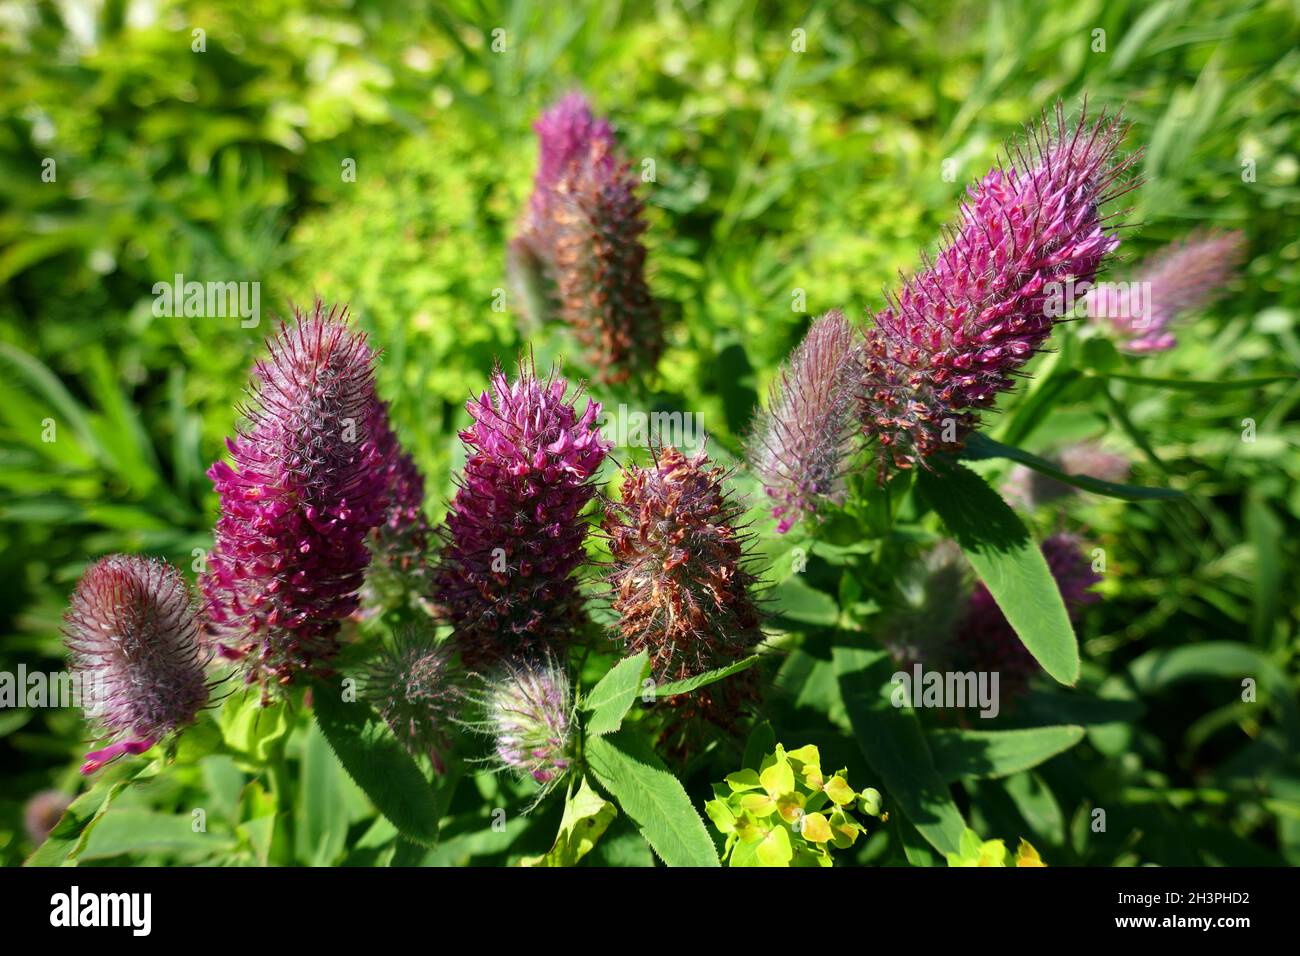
x=1181, y=277
x=679, y=582
x=411, y=686
x=959, y=331
x=399, y=546
x=132, y=631
x=513, y=538
x=802, y=443
x=528, y=714
x=985, y=640
x=303, y=489
x=584, y=227
x=789, y=812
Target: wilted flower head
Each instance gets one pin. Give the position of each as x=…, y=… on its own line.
x=42, y=812
x=1182, y=276
x=303, y=489
x=679, y=582
x=985, y=639
x=528, y=715
x=411, y=686
x=133, y=634
x=802, y=443
x=960, y=330
x=514, y=535
x=583, y=229
x=399, y=546
x=1030, y=488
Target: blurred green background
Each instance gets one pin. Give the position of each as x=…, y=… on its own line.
x=775, y=171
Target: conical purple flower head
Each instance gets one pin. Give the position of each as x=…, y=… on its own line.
x=1181, y=277
x=514, y=535
x=133, y=634
x=303, y=489
x=566, y=134
x=580, y=244
x=959, y=331
x=802, y=443
x=528, y=716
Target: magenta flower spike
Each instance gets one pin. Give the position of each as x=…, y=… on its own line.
x=958, y=332
x=583, y=234
x=132, y=631
x=303, y=489
x=1181, y=277
x=566, y=134
x=802, y=442
x=513, y=539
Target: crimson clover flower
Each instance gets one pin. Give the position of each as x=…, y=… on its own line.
x=513, y=539
x=580, y=244
x=959, y=331
x=679, y=580
x=303, y=489
x=132, y=630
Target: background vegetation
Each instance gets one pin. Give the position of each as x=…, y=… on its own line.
x=775, y=171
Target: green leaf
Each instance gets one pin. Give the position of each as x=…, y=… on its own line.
x=379, y=764
x=626, y=767
x=892, y=741
x=1158, y=669
x=997, y=753
x=1191, y=385
x=250, y=728
x=144, y=831
x=322, y=832
x=1009, y=563
x=612, y=697
x=762, y=741
x=794, y=600
x=703, y=680
x=980, y=447
x=69, y=836
x=586, y=817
